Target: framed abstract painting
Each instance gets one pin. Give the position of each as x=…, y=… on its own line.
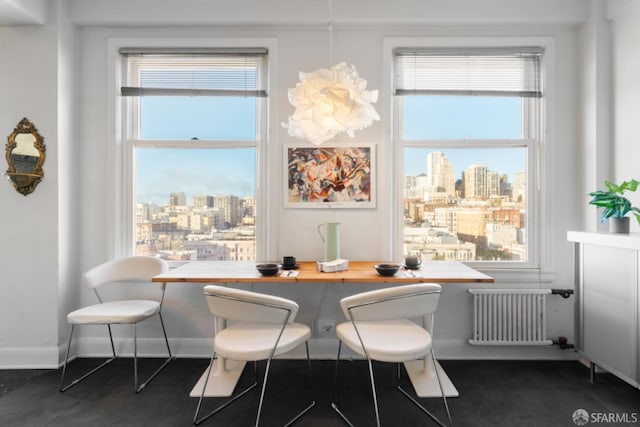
x=330, y=176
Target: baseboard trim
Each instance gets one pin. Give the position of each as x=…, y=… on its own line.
x=325, y=348
x=29, y=357
x=462, y=350
x=319, y=348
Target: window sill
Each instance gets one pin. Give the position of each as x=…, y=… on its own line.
x=519, y=275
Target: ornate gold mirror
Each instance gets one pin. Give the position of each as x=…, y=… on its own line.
x=25, y=156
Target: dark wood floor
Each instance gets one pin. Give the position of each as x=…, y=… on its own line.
x=492, y=393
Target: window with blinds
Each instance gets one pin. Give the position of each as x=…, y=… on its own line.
x=469, y=124
x=195, y=125
x=201, y=72
x=189, y=94
x=484, y=72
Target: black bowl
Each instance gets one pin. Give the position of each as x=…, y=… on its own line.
x=387, y=269
x=268, y=269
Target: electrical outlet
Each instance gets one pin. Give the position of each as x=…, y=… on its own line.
x=325, y=326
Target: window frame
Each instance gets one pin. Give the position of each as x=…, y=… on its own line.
x=121, y=242
x=539, y=171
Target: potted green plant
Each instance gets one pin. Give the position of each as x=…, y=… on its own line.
x=615, y=206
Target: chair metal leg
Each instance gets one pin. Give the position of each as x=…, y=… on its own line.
x=64, y=388
x=422, y=408
x=113, y=347
x=137, y=388
x=264, y=387
x=204, y=387
x=157, y=371
x=444, y=396
x=135, y=357
x=373, y=392
x=164, y=332
x=66, y=359
x=311, y=388
x=334, y=404
x=335, y=375
x=198, y=421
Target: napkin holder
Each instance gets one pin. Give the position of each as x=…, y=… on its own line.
x=332, y=266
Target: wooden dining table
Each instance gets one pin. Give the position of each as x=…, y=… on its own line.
x=357, y=272
x=225, y=373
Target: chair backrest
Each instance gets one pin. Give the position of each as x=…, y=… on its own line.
x=135, y=268
x=247, y=306
x=393, y=303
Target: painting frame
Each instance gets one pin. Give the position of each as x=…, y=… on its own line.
x=330, y=176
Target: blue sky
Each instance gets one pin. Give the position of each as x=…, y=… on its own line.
x=464, y=118
x=232, y=171
x=195, y=171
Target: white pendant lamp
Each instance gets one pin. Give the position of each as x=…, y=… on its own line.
x=330, y=101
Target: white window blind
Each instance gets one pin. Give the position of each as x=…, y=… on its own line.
x=473, y=71
x=194, y=72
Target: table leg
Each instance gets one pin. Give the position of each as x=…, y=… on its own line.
x=224, y=375
x=424, y=379
x=222, y=381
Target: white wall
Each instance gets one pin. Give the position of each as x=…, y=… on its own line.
x=595, y=111
x=608, y=142
x=31, y=86
x=301, y=39
x=625, y=34
x=365, y=233
x=69, y=178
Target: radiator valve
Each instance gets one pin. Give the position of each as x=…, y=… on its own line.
x=565, y=293
x=562, y=343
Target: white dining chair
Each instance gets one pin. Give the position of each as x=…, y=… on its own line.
x=263, y=328
x=123, y=311
x=380, y=327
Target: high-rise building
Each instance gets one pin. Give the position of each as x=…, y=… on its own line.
x=440, y=176
x=519, y=187
x=415, y=187
x=249, y=206
x=505, y=185
x=200, y=202
x=177, y=199
x=493, y=183
x=230, y=206
x=475, y=182
x=142, y=213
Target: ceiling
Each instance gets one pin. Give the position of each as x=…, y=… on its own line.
x=284, y=12
x=23, y=12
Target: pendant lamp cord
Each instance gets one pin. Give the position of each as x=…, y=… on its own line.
x=330, y=32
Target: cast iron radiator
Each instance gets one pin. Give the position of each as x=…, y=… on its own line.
x=509, y=317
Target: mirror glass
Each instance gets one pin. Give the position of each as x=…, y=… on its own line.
x=25, y=155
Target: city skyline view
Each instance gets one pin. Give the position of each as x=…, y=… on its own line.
x=482, y=218
x=465, y=195
x=507, y=161
x=479, y=216
x=194, y=171
x=211, y=173
x=198, y=171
